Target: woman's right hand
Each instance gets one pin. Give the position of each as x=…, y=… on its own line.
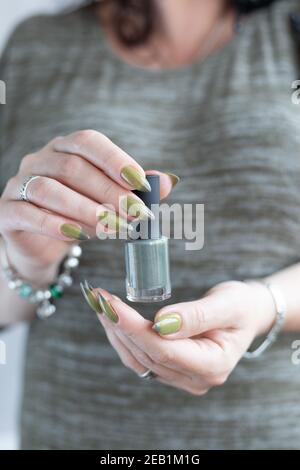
x=79, y=175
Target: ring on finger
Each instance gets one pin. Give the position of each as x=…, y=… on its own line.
x=148, y=375
x=24, y=187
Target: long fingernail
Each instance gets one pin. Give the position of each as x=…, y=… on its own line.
x=136, y=208
x=108, y=309
x=114, y=222
x=74, y=232
x=168, y=324
x=90, y=297
x=174, y=179
x=135, y=178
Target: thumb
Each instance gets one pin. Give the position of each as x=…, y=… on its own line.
x=189, y=319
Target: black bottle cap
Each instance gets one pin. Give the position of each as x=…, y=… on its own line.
x=150, y=229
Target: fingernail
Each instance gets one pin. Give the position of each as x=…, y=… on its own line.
x=114, y=222
x=168, y=324
x=136, y=208
x=74, y=232
x=90, y=297
x=107, y=309
x=135, y=179
x=174, y=179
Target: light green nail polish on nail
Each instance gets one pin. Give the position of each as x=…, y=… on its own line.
x=113, y=222
x=107, y=309
x=135, y=208
x=168, y=324
x=174, y=179
x=90, y=298
x=135, y=179
x=74, y=232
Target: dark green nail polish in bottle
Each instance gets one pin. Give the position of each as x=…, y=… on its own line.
x=147, y=257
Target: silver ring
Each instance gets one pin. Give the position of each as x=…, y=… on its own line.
x=149, y=374
x=24, y=187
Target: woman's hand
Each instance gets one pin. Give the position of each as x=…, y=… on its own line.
x=79, y=175
x=192, y=346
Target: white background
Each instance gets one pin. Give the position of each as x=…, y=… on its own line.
x=11, y=12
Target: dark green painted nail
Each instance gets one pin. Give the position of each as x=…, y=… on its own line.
x=90, y=298
x=135, y=179
x=107, y=309
x=168, y=324
x=74, y=232
x=174, y=179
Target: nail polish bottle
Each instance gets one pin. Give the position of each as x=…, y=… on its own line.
x=147, y=257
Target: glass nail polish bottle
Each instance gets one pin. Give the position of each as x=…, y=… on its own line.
x=147, y=257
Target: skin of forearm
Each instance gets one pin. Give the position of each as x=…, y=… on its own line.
x=14, y=309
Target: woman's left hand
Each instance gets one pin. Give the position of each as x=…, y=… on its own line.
x=193, y=346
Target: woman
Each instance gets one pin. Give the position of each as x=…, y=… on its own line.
x=191, y=88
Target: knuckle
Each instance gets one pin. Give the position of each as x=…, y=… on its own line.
x=127, y=362
x=71, y=165
x=43, y=223
x=39, y=189
x=55, y=140
x=132, y=335
x=218, y=379
x=134, y=332
x=27, y=162
x=164, y=356
x=15, y=216
x=200, y=316
x=198, y=392
x=143, y=359
x=11, y=185
x=107, y=191
x=82, y=137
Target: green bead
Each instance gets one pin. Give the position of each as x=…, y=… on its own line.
x=25, y=291
x=56, y=291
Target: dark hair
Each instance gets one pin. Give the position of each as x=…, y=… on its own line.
x=134, y=20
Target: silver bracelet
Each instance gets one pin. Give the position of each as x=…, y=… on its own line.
x=280, y=306
x=42, y=298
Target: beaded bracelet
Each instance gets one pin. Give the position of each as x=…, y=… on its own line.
x=43, y=298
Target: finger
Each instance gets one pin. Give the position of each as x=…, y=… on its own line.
x=84, y=178
x=188, y=319
x=125, y=355
x=104, y=154
x=130, y=324
x=162, y=371
x=54, y=196
x=168, y=181
x=23, y=216
x=202, y=357
x=125, y=316
x=170, y=373
x=169, y=376
x=185, y=355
